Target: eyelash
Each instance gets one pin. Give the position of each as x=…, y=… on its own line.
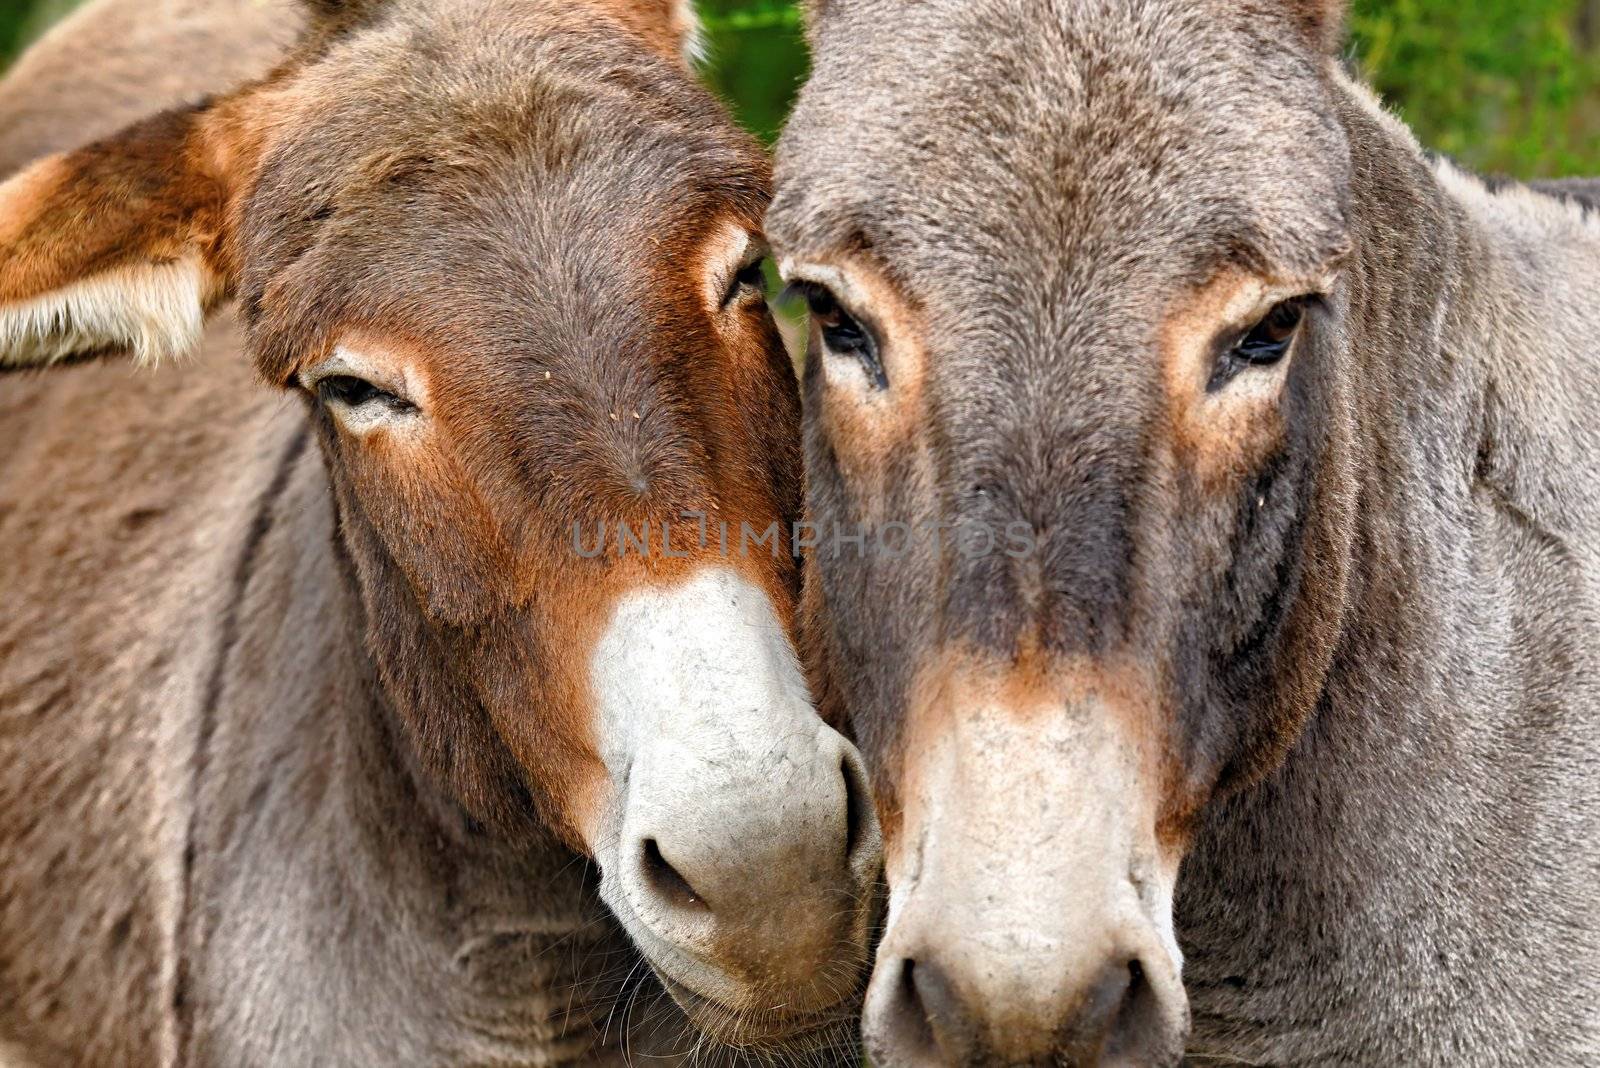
x=353, y=392
x=841, y=333
x=752, y=276
x=1264, y=344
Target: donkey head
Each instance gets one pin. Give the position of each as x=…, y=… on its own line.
x=1073, y=270
x=507, y=255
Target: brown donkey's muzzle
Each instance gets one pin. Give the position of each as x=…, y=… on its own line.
x=738, y=844
x=1030, y=903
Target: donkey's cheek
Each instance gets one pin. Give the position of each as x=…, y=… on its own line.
x=1218, y=431
x=434, y=525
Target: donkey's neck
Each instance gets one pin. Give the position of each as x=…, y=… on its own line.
x=336, y=901
x=1421, y=832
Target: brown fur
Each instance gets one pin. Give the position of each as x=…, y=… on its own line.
x=114, y=62
x=1216, y=438
x=876, y=426
x=659, y=23
x=151, y=194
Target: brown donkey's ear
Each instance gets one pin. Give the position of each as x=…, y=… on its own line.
x=671, y=27
x=341, y=13
x=119, y=245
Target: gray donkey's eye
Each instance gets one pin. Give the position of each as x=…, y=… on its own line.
x=1263, y=345
x=842, y=334
x=1269, y=340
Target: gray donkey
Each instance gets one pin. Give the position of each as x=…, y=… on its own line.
x=1280, y=743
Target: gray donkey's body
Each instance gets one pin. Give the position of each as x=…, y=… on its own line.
x=1419, y=883
x=114, y=61
x=1347, y=600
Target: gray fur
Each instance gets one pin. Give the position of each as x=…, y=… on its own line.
x=1398, y=858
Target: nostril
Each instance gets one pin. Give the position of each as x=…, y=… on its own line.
x=1137, y=986
x=1103, y=1006
x=861, y=828
x=906, y=1027
x=662, y=877
x=858, y=807
x=1131, y=1036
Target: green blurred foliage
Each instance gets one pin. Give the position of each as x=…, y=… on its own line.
x=1507, y=87
x=22, y=20
x=755, y=58
x=1510, y=86
x=12, y=20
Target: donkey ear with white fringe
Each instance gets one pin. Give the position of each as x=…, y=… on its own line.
x=672, y=27
x=118, y=246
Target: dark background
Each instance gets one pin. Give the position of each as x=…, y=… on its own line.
x=1505, y=86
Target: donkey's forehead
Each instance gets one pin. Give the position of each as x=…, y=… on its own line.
x=1067, y=45
x=489, y=180
x=962, y=139
x=489, y=84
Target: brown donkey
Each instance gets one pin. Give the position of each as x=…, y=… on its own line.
x=311, y=711
x=1265, y=453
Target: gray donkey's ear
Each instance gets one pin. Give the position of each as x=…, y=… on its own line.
x=1322, y=19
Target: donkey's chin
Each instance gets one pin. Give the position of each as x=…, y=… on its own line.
x=765, y=1019
x=770, y=1031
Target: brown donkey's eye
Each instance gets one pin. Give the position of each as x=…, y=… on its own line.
x=353, y=392
x=1265, y=344
x=842, y=334
x=752, y=278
